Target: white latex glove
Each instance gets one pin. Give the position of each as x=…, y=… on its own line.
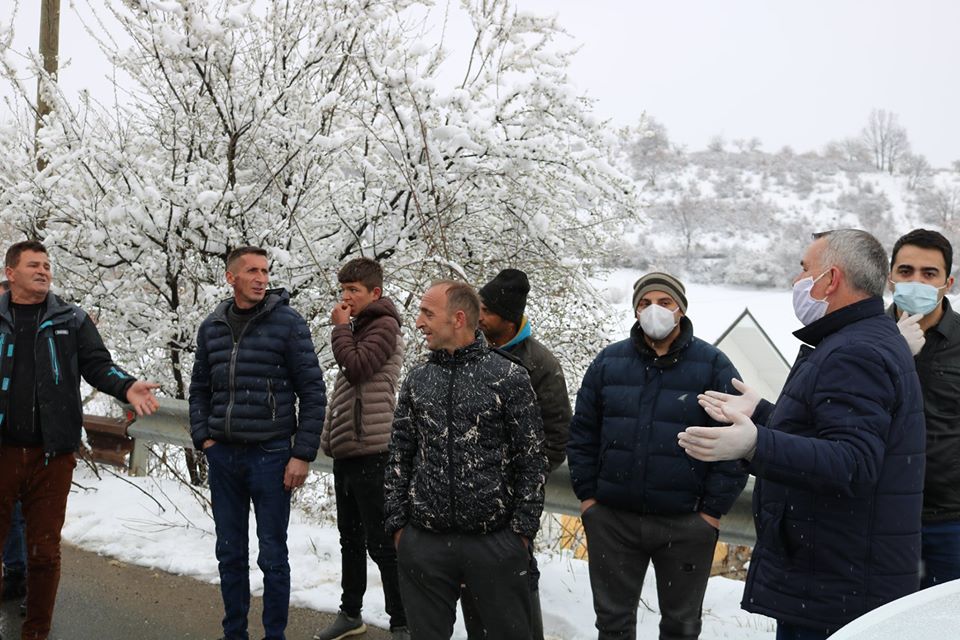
x=712, y=444
x=910, y=330
x=715, y=402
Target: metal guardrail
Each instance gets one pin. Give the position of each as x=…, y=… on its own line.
x=170, y=424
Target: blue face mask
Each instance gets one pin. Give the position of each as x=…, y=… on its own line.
x=916, y=297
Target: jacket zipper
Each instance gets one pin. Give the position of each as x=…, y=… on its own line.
x=453, y=512
x=271, y=400
x=231, y=379
x=53, y=360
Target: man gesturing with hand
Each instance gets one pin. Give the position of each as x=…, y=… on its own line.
x=838, y=459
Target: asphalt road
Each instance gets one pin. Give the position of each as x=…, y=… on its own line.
x=104, y=599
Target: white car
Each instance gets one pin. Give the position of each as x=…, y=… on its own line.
x=929, y=614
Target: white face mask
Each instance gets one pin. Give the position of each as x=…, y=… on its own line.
x=657, y=322
x=808, y=308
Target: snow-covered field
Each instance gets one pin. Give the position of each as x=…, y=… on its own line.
x=157, y=523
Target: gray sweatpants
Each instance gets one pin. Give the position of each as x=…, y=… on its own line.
x=621, y=544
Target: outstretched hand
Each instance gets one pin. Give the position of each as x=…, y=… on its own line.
x=713, y=444
x=141, y=398
x=718, y=404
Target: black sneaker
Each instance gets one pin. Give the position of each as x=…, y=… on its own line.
x=343, y=627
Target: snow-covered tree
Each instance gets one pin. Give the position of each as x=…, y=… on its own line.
x=648, y=151
x=322, y=130
x=886, y=139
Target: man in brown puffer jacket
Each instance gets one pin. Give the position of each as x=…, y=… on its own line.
x=356, y=433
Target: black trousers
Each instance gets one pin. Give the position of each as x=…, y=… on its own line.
x=494, y=567
x=621, y=544
x=471, y=619
x=359, y=487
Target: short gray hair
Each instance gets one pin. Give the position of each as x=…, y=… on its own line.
x=860, y=256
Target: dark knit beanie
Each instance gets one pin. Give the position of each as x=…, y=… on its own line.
x=657, y=281
x=506, y=295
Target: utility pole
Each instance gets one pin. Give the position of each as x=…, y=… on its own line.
x=49, y=54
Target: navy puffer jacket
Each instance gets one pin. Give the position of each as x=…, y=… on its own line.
x=623, y=447
x=839, y=466
x=246, y=390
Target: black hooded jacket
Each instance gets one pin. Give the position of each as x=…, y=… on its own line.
x=67, y=347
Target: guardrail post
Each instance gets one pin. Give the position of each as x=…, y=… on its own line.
x=138, y=457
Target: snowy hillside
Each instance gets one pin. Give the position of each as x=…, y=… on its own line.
x=744, y=218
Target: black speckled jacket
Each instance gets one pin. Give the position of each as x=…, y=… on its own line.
x=467, y=448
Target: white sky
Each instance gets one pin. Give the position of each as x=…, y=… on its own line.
x=797, y=72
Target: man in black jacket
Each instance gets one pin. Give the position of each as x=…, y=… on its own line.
x=920, y=279
x=465, y=478
x=503, y=301
x=46, y=345
x=254, y=360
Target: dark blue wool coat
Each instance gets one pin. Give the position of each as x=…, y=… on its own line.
x=839, y=466
x=623, y=447
x=247, y=391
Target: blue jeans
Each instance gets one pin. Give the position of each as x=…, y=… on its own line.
x=940, y=553
x=787, y=631
x=15, y=550
x=240, y=474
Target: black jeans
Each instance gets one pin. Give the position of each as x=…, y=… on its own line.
x=359, y=486
x=493, y=566
x=621, y=544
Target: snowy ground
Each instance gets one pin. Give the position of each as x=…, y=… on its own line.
x=157, y=523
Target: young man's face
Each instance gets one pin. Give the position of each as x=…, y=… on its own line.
x=249, y=277
x=356, y=296
x=30, y=277
x=918, y=264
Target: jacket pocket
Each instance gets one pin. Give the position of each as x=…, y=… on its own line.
x=358, y=415
x=271, y=400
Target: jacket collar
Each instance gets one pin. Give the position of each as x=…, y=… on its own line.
x=55, y=308
x=376, y=309
x=672, y=356
x=464, y=354
x=524, y=333
x=815, y=332
x=273, y=299
x=949, y=325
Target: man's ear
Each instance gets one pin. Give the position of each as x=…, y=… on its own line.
x=836, y=279
x=377, y=292
x=230, y=278
x=459, y=319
